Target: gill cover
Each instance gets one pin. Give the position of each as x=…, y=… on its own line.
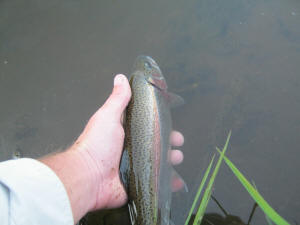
x=151, y=71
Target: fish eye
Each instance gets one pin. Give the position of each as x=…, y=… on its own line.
x=148, y=65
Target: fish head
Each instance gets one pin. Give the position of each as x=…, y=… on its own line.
x=151, y=71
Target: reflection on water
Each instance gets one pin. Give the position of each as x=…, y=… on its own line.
x=235, y=62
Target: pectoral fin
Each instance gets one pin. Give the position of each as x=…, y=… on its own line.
x=171, y=222
x=132, y=212
x=175, y=100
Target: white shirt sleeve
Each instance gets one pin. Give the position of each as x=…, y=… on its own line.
x=32, y=194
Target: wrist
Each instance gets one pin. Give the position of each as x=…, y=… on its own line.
x=88, y=177
x=79, y=178
x=110, y=191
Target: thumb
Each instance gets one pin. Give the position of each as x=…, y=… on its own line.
x=120, y=96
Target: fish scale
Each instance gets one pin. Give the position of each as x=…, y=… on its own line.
x=145, y=167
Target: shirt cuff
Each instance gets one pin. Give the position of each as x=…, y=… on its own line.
x=36, y=194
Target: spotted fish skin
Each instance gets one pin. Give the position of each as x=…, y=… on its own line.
x=145, y=166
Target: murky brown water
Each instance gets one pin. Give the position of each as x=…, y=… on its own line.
x=235, y=62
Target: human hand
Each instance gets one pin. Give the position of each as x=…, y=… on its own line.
x=89, y=169
x=102, y=141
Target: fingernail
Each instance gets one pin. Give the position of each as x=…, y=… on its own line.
x=118, y=79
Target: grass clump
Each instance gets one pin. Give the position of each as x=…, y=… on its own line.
x=271, y=214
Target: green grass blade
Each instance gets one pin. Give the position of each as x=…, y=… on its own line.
x=208, y=190
x=269, y=221
x=267, y=209
x=202, y=207
x=203, y=181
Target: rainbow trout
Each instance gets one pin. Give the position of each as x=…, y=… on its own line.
x=145, y=166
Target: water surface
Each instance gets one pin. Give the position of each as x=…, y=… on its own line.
x=235, y=62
